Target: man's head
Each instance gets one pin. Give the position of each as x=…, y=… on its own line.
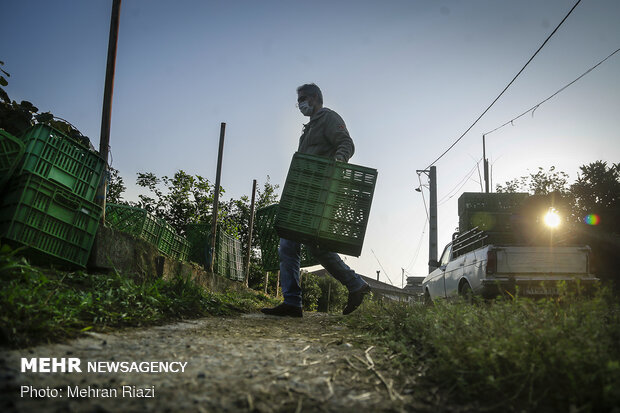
x=309, y=99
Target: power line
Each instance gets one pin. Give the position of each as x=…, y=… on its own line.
x=506, y=88
x=455, y=190
x=417, y=251
x=386, y=274
x=533, y=108
x=423, y=199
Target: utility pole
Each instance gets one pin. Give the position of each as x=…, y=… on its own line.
x=251, y=227
x=432, y=235
x=216, y=197
x=432, y=244
x=378, y=271
x=106, y=116
x=486, y=165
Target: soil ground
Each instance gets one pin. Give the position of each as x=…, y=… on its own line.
x=251, y=363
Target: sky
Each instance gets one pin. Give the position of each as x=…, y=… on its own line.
x=408, y=77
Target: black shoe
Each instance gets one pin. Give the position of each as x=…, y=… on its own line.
x=283, y=310
x=355, y=299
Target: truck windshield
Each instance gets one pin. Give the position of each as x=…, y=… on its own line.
x=445, y=257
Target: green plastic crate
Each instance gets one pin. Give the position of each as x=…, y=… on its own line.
x=326, y=203
x=486, y=221
x=197, y=236
x=180, y=248
x=135, y=221
x=11, y=152
x=490, y=202
x=53, y=155
x=165, y=243
x=57, y=225
x=269, y=240
x=228, y=260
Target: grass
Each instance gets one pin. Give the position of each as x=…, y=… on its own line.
x=558, y=354
x=44, y=305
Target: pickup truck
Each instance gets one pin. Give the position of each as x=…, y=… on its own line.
x=476, y=263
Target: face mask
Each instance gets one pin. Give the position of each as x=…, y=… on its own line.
x=305, y=108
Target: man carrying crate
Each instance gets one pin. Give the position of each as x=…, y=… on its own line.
x=326, y=135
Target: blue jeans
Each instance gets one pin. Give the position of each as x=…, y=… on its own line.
x=290, y=253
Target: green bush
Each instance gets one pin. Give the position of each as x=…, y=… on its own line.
x=333, y=290
x=310, y=291
x=559, y=354
x=37, y=305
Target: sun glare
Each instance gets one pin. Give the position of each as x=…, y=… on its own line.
x=552, y=219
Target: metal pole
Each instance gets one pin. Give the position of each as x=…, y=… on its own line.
x=432, y=244
x=106, y=116
x=251, y=227
x=216, y=197
x=486, y=166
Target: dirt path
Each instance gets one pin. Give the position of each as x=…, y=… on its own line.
x=252, y=363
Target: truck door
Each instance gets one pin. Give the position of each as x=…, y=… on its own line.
x=453, y=274
x=437, y=283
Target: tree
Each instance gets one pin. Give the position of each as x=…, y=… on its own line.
x=184, y=199
x=116, y=187
x=597, y=191
x=540, y=183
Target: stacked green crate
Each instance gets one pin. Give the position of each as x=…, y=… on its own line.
x=144, y=225
x=135, y=221
x=326, y=203
x=11, y=152
x=488, y=211
x=55, y=156
x=47, y=205
x=269, y=240
x=56, y=224
x=180, y=248
x=228, y=260
x=166, y=238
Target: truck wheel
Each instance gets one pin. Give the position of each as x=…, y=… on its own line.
x=466, y=292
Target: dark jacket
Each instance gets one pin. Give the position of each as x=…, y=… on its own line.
x=326, y=135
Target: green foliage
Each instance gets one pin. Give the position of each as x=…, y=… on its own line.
x=333, y=295
x=546, y=355
x=540, y=183
x=37, y=305
x=184, y=199
x=116, y=187
x=16, y=118
x=597, y=191
x=4, y=97
x=310, y=291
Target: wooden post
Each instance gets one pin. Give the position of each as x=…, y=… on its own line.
x=266, y=280
x=216, y=197
x=108, y=91
x=251, y=227
x=329, y=293
x=278, y=285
